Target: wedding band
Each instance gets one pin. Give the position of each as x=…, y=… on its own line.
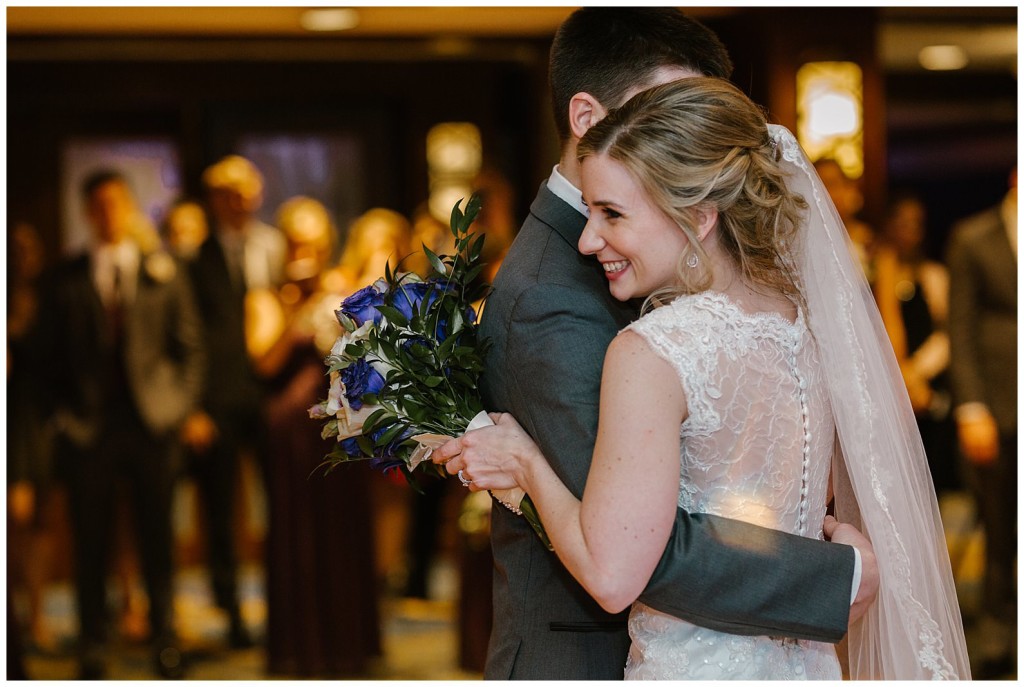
x=465, y=482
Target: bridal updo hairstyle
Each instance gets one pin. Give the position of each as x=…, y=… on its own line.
x=701, y=141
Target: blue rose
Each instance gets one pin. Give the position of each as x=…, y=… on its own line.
x=442, y=324
x=351, y=447
x=360, y=378
x=409, y=296
x=384, y=457
x=417, y=340
x=362, y=305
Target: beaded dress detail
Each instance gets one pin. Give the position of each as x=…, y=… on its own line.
x=756, y=446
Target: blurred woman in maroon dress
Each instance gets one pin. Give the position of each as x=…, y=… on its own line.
x=322, y=613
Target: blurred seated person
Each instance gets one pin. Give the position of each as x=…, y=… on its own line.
x=185, y=228
x=849, y=200
x=912, y=292
x=322, y=617
x=376, y=238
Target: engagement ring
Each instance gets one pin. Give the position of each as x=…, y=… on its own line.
x=465, y=482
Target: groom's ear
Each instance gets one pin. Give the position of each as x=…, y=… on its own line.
x=584, y=112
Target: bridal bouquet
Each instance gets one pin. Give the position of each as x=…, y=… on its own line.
x=404, y=373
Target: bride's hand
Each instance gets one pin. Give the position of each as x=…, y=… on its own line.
x=492, y=457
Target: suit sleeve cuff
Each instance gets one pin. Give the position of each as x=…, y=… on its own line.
x=855, y=587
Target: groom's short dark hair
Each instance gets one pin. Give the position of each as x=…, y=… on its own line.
x=606, y=51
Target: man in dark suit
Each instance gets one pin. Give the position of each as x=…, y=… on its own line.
x=551, y=318
x=125, y=365
x=982, y=263
x=240, y=254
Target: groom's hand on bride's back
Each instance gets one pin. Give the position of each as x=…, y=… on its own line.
x=844, y=533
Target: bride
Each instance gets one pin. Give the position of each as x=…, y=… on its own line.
x=758, y=385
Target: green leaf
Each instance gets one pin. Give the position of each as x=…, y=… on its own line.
x=435, y=262
x=433, y=381
x=473, y=207
x=464, y=379
x=478, y=245
x=472, y=274
x=387, y=437
x=347, y=322
x=330, y=429
x=370, y=423
x=365, y=445
x=456, y=220
x=393, y=315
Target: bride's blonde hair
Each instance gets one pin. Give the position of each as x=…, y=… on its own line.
x=701, y=142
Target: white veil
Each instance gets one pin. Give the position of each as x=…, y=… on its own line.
x=880, y=473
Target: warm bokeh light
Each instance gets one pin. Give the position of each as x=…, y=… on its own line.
x=830, y=121
x=943, y=57
x=454, y=155
x=329, y=19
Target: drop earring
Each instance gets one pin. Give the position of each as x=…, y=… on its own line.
x=691, y=260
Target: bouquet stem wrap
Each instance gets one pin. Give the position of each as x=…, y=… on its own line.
x=514, y=499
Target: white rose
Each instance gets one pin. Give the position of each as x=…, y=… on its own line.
x=351, y=337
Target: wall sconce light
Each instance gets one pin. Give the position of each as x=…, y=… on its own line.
x=942, y=57
x=454, y=156
x=329, y=19
x=830, y=113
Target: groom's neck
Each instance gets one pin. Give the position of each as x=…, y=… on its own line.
x=568, y=165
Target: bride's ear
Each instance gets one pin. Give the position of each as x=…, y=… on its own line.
x=584, y=112
x=707, y=218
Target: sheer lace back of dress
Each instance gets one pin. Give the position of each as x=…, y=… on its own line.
x=756, y=446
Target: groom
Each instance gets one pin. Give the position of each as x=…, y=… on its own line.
x=550, y=319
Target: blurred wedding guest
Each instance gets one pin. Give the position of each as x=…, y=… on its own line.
x=849, y=200
x=322, y=616
x=913, y=297
x=982, y=260
x=241, y=254
x=497, y=219
x=124, y=360
x=185, y=228
x=427, y=231
x=29, y=439
x=376, y=238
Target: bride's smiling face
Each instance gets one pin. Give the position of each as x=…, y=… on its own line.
x=636, y=243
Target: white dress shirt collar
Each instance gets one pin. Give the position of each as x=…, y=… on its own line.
x=125, y=257
x=564, y=189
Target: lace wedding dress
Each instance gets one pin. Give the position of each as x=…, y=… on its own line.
x=757, y=446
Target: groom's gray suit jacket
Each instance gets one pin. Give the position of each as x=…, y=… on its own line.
x=551, y=318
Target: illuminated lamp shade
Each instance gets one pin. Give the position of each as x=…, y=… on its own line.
x=942, y=57
x=454, y=156
x=830, y=115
